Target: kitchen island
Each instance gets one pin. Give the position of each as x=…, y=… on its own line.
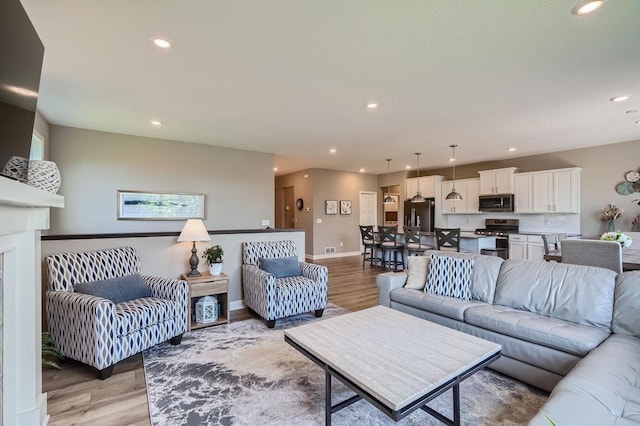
x=469, y=242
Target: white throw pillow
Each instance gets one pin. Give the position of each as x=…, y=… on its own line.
x=450, y=276
x=417, y=275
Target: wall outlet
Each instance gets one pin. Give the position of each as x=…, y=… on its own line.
x=318, y=220
x=341, y=244
x=265, y=222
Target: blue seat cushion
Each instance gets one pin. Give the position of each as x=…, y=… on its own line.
x=281, y=267
x=118, y=290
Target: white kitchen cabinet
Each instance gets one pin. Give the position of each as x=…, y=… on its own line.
x=556, y=191
x=498, y=181
x=427, y=186
x=469, y=189
x=523, y=198
x=528, y=247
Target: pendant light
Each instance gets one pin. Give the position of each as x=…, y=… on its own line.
x=453, y=195
x=418, y=198
x=388, y=199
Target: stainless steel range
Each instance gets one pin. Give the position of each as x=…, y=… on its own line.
x=500, y=228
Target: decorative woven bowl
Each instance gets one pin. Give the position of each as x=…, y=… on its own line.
x=16, y=168
x=44, y=175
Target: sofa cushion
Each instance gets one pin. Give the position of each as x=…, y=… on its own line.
x=417, y=272
x=450, y=307
x=119, y=289
x=281, y=267
x=136, y=314
x=485, y=273
x=551, y=332
x=603, y=389
x=626, y=306
x=450, y=276
x=576, y=293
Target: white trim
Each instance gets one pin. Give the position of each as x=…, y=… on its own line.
x=332, y=255
x=236, y=305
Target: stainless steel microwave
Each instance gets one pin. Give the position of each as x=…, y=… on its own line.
x=496, y=203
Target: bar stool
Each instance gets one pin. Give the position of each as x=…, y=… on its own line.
x=448, y=238
x=412, y=241
x=370, y=245
x=390, y=245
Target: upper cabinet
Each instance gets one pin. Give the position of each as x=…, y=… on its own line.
x=469, y=189
x=498, y=181
x=427, y=186
x=548, y=191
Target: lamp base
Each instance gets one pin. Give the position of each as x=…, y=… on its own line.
x=193, y=261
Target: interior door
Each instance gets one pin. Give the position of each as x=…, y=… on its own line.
x=368, y=210
x=289, y=215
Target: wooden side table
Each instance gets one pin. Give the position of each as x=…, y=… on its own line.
x=208, y=285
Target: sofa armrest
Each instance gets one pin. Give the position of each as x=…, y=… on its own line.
x=259, y=289
x=387, y=282
x=315, y=272
x=82, y=326
x=170, y=289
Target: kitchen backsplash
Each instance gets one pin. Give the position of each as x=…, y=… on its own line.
x=567, y=223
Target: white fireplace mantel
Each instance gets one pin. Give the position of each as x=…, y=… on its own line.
x=24, y=212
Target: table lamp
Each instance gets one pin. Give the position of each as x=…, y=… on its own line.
x=193, y=231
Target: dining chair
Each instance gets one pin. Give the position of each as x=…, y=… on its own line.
x=413, y=242
x=448, y=238
x=553, y=241
x=389, y=245
x=371, y=246
x=604, y=254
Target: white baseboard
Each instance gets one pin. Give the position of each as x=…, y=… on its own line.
x=237, y=305
x=332, y=255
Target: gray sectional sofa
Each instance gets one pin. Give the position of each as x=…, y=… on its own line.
x=570, y=329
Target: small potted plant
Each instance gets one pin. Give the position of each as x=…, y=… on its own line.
x=213, y=255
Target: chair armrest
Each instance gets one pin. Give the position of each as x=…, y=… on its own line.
x=170, y=289
x=315, y=272
x=82, y=326
x=387, y=282
x=259, y=289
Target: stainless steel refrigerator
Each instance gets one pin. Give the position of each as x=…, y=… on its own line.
x=420, y=214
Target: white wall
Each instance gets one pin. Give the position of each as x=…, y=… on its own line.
x=238, y=185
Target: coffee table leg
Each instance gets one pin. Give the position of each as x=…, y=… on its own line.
x=456, y=404
x=327, y=399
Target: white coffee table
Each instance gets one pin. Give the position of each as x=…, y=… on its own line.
x=395, y=361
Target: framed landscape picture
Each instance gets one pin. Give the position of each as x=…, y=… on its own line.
x=331, y=207
x=345, y=206
x=140, y=205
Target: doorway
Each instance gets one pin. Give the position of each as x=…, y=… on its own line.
x=368, y=209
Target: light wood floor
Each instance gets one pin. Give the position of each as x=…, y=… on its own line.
x=76, y=397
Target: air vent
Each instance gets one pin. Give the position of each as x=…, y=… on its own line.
x=329, y=250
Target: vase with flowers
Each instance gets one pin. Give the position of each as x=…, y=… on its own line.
x=618, y=237
x=610, y=214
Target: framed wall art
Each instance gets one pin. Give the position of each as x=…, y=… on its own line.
x=140, y=205
x=345, y=207
x=331, y=207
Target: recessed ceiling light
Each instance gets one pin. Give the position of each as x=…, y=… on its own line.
x=585, y=8
x=333, y=150
x=632, y=111
x=372, y=106
x=275, y=169
x=156, y=122
x=620, y=98
x=451, y=159
x=512, y=149
x=361, y=170
x=161, y=42
x=408, y=167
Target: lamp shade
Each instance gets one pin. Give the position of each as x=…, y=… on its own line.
x=194, y=230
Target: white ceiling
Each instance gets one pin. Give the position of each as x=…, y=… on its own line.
x=292, y=77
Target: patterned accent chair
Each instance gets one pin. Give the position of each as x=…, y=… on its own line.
x=274, y=298
x=98, y=332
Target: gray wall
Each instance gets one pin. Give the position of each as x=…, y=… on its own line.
x=302, y=188
x=238, y=185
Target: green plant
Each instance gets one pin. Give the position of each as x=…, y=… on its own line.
x=213, y=255
x=49, y=351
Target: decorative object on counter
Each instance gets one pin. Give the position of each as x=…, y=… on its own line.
x=16, y=168
x=418, y=198
x=345, y=207
x=610, y=214
x=214, y=259
x=194, y=230
x=206, y=309
x=631, y=185
x=635, y=223
x=388, y=199
x=44, y=175
x=618, y=237
x=453, y=195
x=331, y=207
x=140, y=205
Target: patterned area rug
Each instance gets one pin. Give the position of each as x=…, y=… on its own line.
x=245, y=374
